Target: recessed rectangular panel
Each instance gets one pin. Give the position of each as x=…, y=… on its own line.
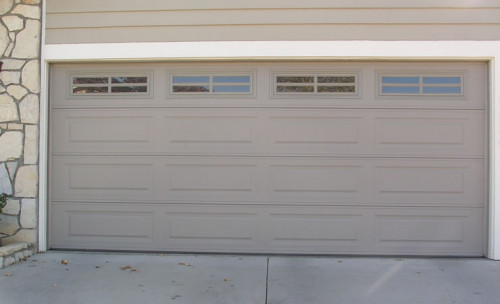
x=211, y=227
x=310, y=131
x=113, y=225
x=202, y=181
x=109, y=130
x=443, y=229
x=103, y=131
x=431, y=182
x=196, y=133
x=316, y=179
x=414, y=180
x=211, y=178
x=322, y=228
x=421, y=131
x=112, y=177
x=429, y=133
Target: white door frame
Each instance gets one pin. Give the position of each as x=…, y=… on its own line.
x=488, y=51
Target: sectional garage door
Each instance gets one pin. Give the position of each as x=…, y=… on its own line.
x=312, y=157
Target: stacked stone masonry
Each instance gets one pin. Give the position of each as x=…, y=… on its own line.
x=20, y=30
x=14, y=253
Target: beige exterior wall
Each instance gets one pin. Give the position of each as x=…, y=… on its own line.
x=96, y=21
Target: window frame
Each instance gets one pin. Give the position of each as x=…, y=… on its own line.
x=170, y=94
x=421, y=84
x=317, y=73
x=110, y=85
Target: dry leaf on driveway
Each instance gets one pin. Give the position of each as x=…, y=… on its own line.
x=64, y=262
x=8, y=274
x=184, y=264
x=130, y=268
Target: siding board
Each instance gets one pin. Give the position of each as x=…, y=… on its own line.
x=270, y=17
x=65, y=6
x=275, y=32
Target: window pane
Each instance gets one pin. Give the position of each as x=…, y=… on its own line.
x=295, y=79
x=231, y=79
x=90, y=80
x=336, y=79
x=190, y=89
x=400, y=90
x=191, y=79
x=400, y=80
x=295, y=89
x=90, y=90
x=129, y=89
x=336, y=89
x=129, y=80
x=231, y=89
x=442, y=90
x=442, y=80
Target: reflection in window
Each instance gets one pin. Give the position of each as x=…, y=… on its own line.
x=211, y=84
x=315, y=84
x=421, y=85
x=104, y=85
x=190, y=89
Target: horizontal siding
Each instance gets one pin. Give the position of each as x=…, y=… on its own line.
x=163, y=21
x=271, y=17
x=277, y=32
x=65, y=6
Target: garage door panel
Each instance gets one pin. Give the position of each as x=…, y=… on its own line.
x=100, y=226
x=315, y=181
x=232, y=228
x=315, y=229
x=103, y=130
x=434, y=230
x=420, y=229
x=241, y=132
x=270, y=180
x=102, y=178
x=200, y=179
x=307, y=132
x=430, y=133
x=429, y=182
x=212, y=131
x=211, y=227
x=110, y=224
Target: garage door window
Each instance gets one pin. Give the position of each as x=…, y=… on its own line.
x=207, y=84
x=449, y=85
x=300, y=83
x=119, y=84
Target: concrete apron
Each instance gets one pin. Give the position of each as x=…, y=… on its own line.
x=74, y=277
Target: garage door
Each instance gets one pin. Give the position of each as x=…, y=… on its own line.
x=314, y=158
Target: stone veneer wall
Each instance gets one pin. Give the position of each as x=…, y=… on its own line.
x=20, y=30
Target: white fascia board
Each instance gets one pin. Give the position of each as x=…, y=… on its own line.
x=273, y=50
x=299, y=50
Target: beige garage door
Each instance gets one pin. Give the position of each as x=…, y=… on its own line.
x=316, y=158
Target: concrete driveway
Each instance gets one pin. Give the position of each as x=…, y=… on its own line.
x=75, y=277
